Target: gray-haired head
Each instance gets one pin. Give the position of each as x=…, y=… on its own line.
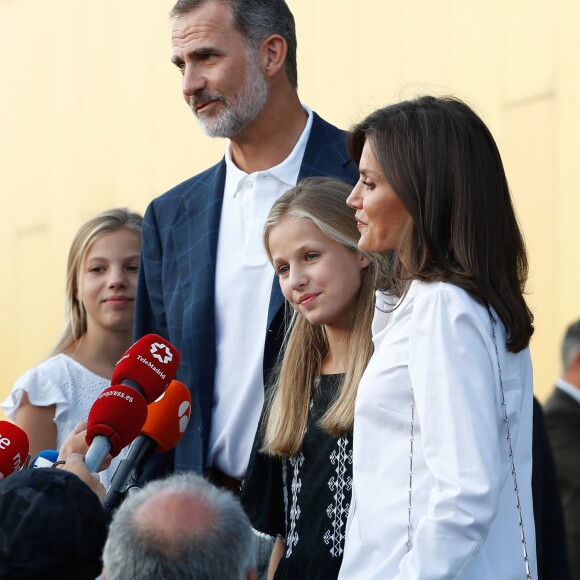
x=256, y=20
x=183, y=528
x=570, y=344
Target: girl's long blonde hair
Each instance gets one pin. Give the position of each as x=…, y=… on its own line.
x=106, y=222
x=323, y=201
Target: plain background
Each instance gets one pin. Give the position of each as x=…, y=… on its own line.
x=92, y=117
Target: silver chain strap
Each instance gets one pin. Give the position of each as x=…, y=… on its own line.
x=411, y=469
x=510, y=453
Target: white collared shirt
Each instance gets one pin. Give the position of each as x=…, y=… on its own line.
x=431, y=391
x=569, y=389
x=242, y=295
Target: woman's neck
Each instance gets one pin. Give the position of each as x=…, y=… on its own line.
x=335, y=360
x=99, y=351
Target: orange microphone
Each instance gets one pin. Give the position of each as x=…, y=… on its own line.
x=167, y=419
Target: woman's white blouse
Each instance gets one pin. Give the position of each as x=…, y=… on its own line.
x=72, y=388
x=436, y=350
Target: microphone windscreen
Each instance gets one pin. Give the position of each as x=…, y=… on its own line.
x=151, y=362
x=45, y=458
x=168, y=416
x=118, y=414
x=13, y=448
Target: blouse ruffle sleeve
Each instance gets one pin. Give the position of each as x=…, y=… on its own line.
x=42, y=390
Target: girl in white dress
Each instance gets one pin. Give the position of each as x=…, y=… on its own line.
x=443, y=417
x=50, y=400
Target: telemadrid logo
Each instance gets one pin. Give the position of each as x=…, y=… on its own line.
x=158, y=349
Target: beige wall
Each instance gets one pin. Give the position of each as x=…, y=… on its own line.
x=91, y=116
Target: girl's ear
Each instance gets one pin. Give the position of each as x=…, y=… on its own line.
x=364, y=262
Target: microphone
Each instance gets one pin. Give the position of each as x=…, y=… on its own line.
x=115, y=419
x=45, y=458
x=167, y=419
x=13, y=448
x=148, y=366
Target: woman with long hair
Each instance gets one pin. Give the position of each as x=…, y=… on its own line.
x=443, y=420
x=311, y=240
x=49, y=400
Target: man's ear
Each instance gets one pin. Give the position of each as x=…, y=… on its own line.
x=273, y=54
x=575, y=361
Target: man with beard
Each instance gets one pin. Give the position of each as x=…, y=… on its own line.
x=205, y=283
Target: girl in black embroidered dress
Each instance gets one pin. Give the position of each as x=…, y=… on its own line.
x=299, y=480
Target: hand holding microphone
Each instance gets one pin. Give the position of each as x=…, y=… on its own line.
x=167, y=419
x=118, y=414
x=115, y=419
x=74, y=463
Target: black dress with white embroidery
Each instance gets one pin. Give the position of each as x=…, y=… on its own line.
x=305, y=499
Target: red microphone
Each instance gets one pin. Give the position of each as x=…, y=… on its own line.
x=115, y=419
x=13, y=448
x=148, y=366
x=167, y=419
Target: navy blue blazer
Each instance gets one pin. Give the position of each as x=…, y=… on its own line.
x=175, y=293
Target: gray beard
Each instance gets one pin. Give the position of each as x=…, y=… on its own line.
x=239, y=111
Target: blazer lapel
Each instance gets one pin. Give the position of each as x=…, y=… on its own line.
x=197, y=231
x=326, y=153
